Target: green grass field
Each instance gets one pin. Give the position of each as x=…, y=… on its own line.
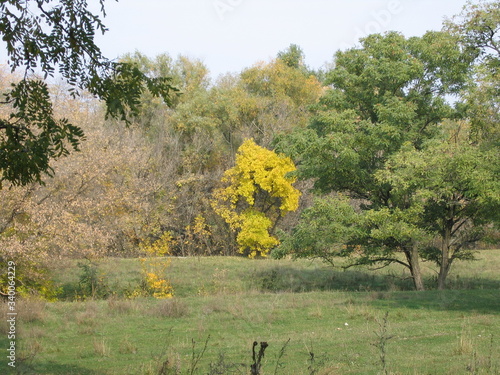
x=315, y=319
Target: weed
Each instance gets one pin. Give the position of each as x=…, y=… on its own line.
x=36, y=333
x=101, y=348
x=315, y=363
x=270, y=280
x=493, y=369
x=483, y=365
x=316, y=312
x=280, y=364
x=221, y=367
x=219, y=280
x=311, y=367
x=166, y=363
x=465, y=345
x=195, y=357
x=381, y=344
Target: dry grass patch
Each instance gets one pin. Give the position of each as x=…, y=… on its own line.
x=101, y=347
x=169, y=308
x=35, y=333
x=355, y=310
x=122, y=307
x=127, y=346
x=4, y=327
x=31, y=310
x=88, y=319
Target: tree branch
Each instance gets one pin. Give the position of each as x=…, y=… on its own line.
x=377, y=260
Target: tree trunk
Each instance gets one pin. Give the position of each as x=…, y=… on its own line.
x=416, y=273
x=444, y=265
x=443, y=273
x=445, y=261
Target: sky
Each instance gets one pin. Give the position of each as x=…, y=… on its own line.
x=230, y=35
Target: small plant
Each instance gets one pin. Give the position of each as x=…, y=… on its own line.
x=153, y=284
x=195, y=357
x=493, y=369
x=101, y=348
x=483, y=364
x=158, y=287
x=465, y=345
x=92, y=283
x=280, y=356
x=270, y=280
x=381, y=344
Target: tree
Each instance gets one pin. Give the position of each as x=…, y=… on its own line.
x=279, y=96
x=293, y=56
x=477, y=29
x=257, y=194
x=388, y=94
x=452, y=189
x=477, y=26
x=49, y=38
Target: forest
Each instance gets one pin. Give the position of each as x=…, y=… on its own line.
x=390, y=155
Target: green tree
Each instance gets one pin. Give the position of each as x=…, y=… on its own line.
x=477, y=29
x=48, y=38
x=388, y=94
x=257, y=193
x=451, y=188
x=293, y=56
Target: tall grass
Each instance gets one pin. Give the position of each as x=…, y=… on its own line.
x=334, y=322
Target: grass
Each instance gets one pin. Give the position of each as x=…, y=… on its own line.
x=316, y=321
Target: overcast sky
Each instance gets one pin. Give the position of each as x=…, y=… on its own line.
x=230, y=35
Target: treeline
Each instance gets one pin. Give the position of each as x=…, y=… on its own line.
x=370, y=136
x=130, y=184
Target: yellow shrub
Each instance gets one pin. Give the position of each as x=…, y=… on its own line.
x=154, y=266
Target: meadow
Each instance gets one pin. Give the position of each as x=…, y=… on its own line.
x=314, y=319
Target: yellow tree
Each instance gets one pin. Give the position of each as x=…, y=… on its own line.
x=258, y=191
